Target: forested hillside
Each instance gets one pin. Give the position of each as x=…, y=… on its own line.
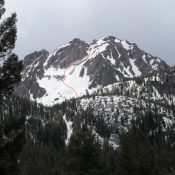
x=144, y=146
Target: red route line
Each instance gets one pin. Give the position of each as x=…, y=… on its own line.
x=65, y=76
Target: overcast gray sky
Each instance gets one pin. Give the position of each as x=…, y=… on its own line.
x=51, y=23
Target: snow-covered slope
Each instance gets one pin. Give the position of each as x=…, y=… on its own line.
x=80, y=68
x=112, y=109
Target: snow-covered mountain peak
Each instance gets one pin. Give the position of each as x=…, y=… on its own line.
x=79, y=67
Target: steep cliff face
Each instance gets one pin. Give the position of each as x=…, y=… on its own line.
x=80, y=67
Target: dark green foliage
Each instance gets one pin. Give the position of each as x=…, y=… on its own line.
x=139, y=80
x=39, y=159
x=102, y=129
x=10, y=74
x=12, y=139
x=2, y=10
x=11, y=69
x=147, y=148
x=136, y=154
x=8, y=35
x=53, y=133
x=12, y=135
x=84, y=155
x=45, y=135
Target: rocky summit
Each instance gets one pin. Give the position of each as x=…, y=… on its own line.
x=80, y=67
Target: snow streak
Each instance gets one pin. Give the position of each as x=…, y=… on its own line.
x=69, y=69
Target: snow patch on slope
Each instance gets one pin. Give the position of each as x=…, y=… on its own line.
x=69, y=129
x=98, y=47
x=134, y=67
x=126, y=45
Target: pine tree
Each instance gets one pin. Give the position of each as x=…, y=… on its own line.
x=136, y=156
x=12, y=135
x=10, y=71
x=147, y=148
x=12, y=139
x=84, y=155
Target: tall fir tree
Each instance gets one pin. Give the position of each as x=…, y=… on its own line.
x=11, y=67
x=12, y=135
x=84, y=155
